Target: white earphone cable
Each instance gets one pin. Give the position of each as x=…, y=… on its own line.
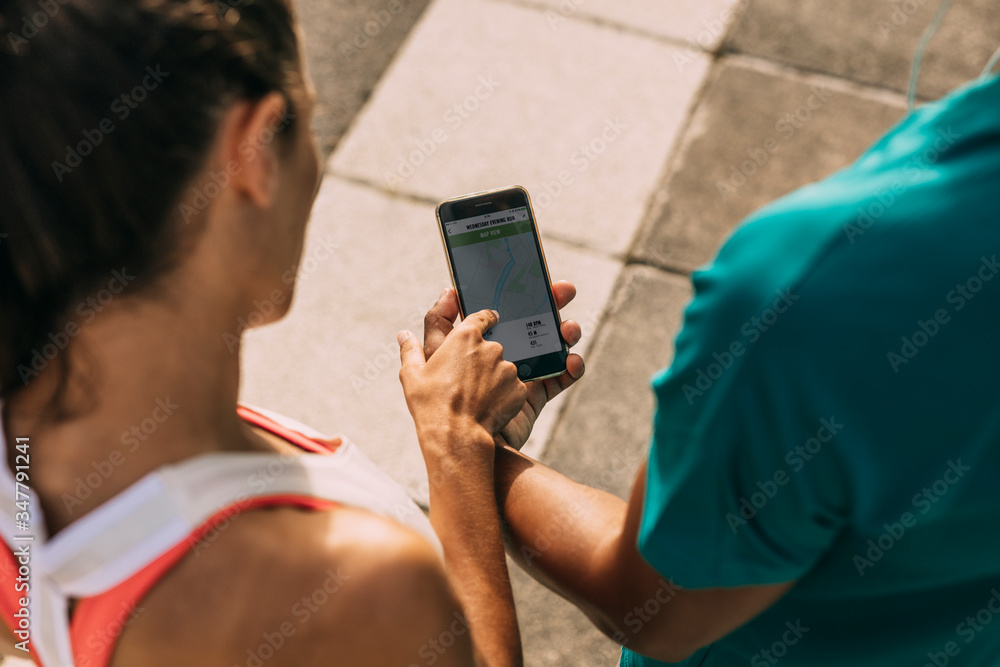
x=991, y=64
x=918, y=58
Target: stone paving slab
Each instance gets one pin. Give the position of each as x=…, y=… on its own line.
x=372, y=265
x=872, y=41
x=760, y=131
x=583, y=116
x=348, y=45
x=700, y=23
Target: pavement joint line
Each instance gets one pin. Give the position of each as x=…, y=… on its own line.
x=393, y=194
x=883, y=94
x=582, y=247
x=420, y=199
x=663, y=267
x=583, y=17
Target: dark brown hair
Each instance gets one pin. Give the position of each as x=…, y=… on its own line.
x=107, y=111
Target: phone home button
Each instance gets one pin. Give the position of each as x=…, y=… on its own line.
x=524, y=370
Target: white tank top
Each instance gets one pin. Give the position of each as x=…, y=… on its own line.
x=160, y=511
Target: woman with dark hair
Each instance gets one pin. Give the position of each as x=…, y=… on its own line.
x=156, y=175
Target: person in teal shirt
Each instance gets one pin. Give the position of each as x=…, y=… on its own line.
x=832, y=415
x=822, y=482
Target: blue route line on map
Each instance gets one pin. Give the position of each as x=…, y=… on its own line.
x=504, y=275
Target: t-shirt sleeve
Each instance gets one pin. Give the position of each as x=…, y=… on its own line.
x=744, y=483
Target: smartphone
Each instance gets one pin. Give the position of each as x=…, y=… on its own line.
x=496, y=262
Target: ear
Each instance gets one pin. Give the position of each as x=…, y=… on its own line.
x=252, y=128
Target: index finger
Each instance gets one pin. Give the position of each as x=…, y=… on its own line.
x=482, y=321
x=439, y=320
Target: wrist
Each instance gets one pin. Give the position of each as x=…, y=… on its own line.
x=452, y=441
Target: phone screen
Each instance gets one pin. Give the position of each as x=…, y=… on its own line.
x=497, y=264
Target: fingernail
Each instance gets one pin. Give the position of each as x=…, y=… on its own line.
x=496, y=314
x=402, y=336
x=443, y=292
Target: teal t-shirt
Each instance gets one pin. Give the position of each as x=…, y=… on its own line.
x=832, y=414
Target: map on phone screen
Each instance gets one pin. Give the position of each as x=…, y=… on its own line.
x=497, y=266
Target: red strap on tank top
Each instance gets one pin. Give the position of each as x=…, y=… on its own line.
x=294, y=437
x=98, y=621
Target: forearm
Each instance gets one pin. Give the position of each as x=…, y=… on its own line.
x=464, y=514
x=566, y=535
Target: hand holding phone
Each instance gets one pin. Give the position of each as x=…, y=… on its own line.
x=496, y=262
x=439, y=323
x=437, y=399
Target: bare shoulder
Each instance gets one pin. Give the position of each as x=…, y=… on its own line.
x=295, y=587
